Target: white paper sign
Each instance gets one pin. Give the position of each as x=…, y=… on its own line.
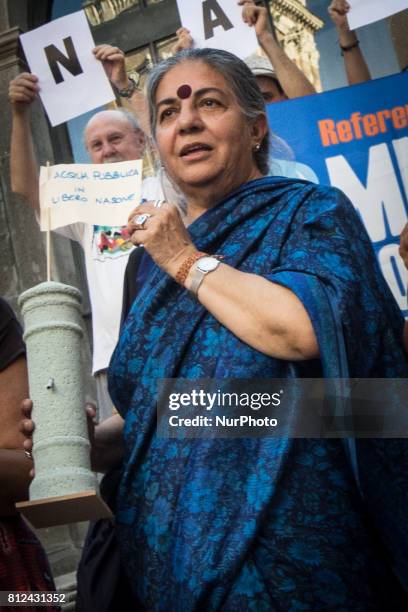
x=71, y=79
x=218, y=24
x=363, y=12
x=100, y=194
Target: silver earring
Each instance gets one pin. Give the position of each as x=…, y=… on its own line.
x=257, y=147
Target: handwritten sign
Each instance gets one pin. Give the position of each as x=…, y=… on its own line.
x=100, y=194
x=363, y=12
x=72, y=81
x=218, y=24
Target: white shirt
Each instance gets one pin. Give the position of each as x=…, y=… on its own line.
x=106, y=252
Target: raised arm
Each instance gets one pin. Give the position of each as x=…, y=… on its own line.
x=292, y=80
x=356, y=67
x=184, y=40
x=23, y=90
x=113, y=60
x=263, y=314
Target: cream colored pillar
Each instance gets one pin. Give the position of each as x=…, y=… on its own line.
x=53, y=335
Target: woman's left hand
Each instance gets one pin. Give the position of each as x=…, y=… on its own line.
x=162, y=234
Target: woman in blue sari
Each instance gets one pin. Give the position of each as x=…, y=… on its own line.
x=262, y=523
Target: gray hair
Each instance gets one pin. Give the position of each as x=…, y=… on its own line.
x=115, y=112
x=130, y=118
x=238, y=76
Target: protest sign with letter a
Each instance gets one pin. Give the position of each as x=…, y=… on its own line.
x=218, y=24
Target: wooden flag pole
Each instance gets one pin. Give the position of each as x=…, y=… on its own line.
x=48, y=210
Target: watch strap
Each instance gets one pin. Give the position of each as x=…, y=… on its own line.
x=196, y=282
x=129, y=90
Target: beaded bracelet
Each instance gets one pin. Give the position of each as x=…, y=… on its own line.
x=185, y=267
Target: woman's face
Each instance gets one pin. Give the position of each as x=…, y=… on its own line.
x=204, y=140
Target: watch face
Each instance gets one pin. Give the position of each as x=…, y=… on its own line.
x=135, y=76
x=206, y=264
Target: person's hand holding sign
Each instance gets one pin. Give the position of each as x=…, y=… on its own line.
x=184, y=40
x=256, y=16
x=23, y=90
x=113, y=61
x=291, y=82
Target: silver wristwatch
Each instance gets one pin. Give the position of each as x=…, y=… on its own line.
x=203, y=266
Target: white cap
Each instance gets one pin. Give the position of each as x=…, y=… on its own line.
x=260, y=66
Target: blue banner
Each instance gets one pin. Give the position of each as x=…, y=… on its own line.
x=356, y=139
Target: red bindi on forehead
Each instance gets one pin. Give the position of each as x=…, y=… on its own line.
x=184, y=91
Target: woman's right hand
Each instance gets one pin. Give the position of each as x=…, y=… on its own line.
x=163, y=235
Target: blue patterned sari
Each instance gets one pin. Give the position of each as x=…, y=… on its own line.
x=267, y=523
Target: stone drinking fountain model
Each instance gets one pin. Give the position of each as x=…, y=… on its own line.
x=64, y=489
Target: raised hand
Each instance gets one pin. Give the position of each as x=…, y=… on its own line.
x=113, y=61
x=255, y=16
x=184, y=40
x=23, y=90
x=338, y=10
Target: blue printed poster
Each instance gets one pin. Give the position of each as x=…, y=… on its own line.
x=355, y=138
